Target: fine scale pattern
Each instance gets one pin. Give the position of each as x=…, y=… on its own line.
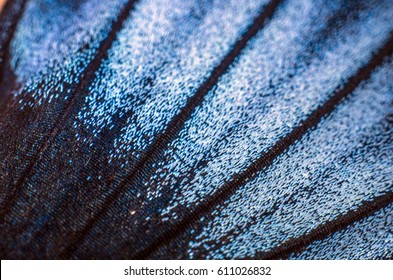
x=214, y=129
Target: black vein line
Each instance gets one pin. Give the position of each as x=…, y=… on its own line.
x=177, y=123
x=345, y=16
x=238, y=180
x=79, y=89
x=12, y=12
x=298, y=244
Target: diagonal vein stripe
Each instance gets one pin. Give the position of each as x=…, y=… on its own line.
x=322, y=231
x=277, y=149
x=176, y=124
x=85, y=82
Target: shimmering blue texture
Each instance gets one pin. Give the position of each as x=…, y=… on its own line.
x=246, y=114
x=173, y=50
x=337, y=172
x=104, y=156
x=54, y=42
x=365, y=239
